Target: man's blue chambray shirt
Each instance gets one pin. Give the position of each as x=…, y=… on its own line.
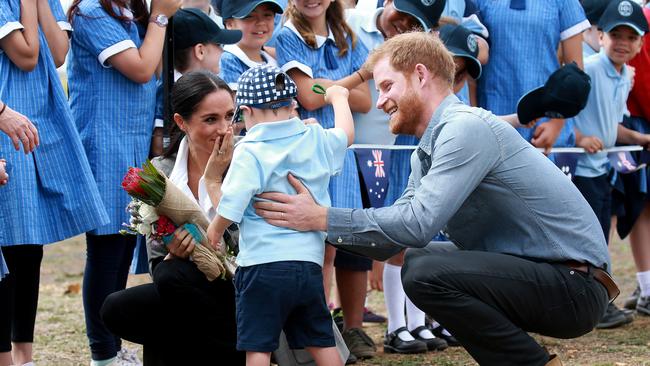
x=488, y=189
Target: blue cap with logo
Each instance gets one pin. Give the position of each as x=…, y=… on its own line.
x=240, y=9
x=623, y=12
x=264, y=87
x=461, y=42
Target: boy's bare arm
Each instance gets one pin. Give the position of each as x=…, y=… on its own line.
x=626, y=136
x=215, y=231
x=337, y=96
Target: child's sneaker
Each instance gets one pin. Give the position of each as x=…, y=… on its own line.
x=643, y=305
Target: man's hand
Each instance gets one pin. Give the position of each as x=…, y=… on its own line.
x=298, y=212
x=591, y=144
x=19, y=129
x=4, y=177
x=546, y=134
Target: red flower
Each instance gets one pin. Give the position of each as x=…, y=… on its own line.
x=131, y=182
x=164, y=226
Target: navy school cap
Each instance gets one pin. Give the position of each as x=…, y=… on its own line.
x=461, y=42
x=264, y=87
x=240, y=9
x=427, y=12
x=623, y=12
x=594, y=9
x=564, y=95
x=192, y=26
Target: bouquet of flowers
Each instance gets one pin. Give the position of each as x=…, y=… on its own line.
x=159, y=207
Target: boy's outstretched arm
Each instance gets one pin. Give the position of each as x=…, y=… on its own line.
x=337, y=96
x=626, y=136
x=215, y=231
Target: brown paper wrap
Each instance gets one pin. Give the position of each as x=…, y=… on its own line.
x=181, y=209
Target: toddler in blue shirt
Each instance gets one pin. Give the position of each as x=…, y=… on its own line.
x=279, y=282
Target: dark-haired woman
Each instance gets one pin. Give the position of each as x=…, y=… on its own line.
x=182, y=318
x=51, y=195
x=115, y=51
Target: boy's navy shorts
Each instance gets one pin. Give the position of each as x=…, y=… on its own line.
x=287, y=295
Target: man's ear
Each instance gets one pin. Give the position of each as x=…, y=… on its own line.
x=422, y=74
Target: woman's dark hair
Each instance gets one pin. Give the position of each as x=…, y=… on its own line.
x=138, y=8
x=187, y=94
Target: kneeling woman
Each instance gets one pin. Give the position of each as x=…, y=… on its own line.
x=182, y=318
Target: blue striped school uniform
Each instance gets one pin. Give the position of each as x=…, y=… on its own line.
x=234, y=62
x=114, y=115
x=51, y=194
x=533, y=35
x=293, y=52
x=400, y=168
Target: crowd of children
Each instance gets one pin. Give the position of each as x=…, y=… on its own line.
x=77, y=147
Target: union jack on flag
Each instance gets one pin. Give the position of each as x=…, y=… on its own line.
x=374, y=166
x=379, y=164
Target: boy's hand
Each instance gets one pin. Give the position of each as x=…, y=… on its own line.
x=546, y=134
x=591, y=144
x=214, y=238
x=4, y=177
x=334, y=92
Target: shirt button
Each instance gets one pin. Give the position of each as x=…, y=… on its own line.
x=372, y=244
x=339, y=240
x=571, y=272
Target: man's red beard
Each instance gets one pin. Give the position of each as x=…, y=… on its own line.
x=409, y=111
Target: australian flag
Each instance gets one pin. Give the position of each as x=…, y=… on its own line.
x=374, y=165
x=567, y=163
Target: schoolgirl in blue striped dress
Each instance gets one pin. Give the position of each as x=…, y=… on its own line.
x=51, y=194
x=115, y=51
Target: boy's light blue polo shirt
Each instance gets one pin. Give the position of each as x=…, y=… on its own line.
x=605, y=109
x=260, y=163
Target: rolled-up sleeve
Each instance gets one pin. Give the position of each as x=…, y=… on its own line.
x=464, y=152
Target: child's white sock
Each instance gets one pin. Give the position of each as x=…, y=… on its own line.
x=416, y=318
x=394, y=298
x=102, y=362
x=644, y=282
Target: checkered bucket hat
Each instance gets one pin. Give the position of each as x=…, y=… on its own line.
x=265, y=87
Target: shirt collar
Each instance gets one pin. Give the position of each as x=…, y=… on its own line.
x=609, y=66
x=320, y=40
x=425, y=141
x=370, y=25
x=274, y=130
x=237, y=52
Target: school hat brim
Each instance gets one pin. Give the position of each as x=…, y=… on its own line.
x=473, y=65
x=271, y=105
x=250, y=6
x=428, y=20
x=608, y=27
x=530, y=107
x=227, y=36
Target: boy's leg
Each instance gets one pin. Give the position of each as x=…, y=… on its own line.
x=258, y=358
x=325, y=356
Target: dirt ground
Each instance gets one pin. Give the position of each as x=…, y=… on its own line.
x=61, y=340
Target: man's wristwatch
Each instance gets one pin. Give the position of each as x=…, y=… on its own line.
x=161, y=20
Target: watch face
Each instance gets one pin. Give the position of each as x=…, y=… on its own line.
x=162, y=19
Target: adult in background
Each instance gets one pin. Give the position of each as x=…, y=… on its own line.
x=530, y=244
x=116, y=49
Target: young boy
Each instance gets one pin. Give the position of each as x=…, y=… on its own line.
x=255, y=19
x=279, y=281
x=598, y=126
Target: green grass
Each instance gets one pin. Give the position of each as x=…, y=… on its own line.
x=60, y=331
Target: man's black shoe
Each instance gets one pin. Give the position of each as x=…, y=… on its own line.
x=614, y=318
x=394, y=344
x=433, y=344
x=450, y=339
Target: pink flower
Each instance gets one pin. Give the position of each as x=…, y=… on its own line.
x=131, y=182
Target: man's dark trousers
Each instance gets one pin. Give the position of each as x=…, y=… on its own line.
x=489, y=301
